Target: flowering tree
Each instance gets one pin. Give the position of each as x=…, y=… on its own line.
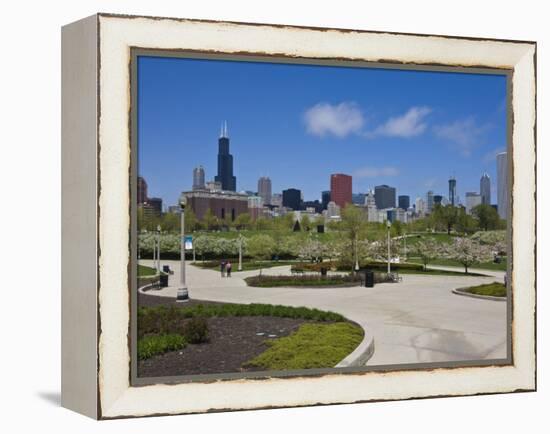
x=427, y=250
x=260, y=247
x=468, y=252
x=311, y=250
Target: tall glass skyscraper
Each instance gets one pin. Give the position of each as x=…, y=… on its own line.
x=485, y=189
x=198, y=178
x=452, y=192
x=264, y=189
x=225, y=162
x=502, y=185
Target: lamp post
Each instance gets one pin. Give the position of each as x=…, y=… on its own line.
x=240, y=268
x=356, y=255
x=388, y=225
x=183, y=293
x=158, y=248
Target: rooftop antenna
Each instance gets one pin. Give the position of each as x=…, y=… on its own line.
x=225, y=130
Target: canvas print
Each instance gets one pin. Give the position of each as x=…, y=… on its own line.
x=297, y=217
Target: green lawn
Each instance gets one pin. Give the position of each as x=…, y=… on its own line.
x=311, y=346
x=448, y=262
x=413, y=239
x=434, y=272
x=144, y=271
x=494, y=289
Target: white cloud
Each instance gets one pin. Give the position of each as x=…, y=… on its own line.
x=374, y=172
x=410, y=124
x=464, y=134
x=339, y=120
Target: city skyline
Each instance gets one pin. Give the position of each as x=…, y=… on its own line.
x=373, y=141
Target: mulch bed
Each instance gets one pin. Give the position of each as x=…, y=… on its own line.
x=233, y=341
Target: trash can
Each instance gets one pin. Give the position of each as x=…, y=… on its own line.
x=369, y=278
x=323, y=272
x=163, y=280
x=166, y=269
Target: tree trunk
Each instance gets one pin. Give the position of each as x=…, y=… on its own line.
x=465, y=268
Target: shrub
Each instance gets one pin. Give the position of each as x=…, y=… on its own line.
x=149, y=346
x=306, y=280
x=196, y=330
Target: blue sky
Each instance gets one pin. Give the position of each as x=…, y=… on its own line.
x=298, y=124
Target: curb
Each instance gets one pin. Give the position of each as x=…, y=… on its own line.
x=461, y=291
x=361, y=355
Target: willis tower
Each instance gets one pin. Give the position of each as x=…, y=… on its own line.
x=225, y=162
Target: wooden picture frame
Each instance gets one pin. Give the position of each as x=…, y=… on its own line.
x=97, y=181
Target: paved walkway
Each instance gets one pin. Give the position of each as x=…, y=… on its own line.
x=416, y=321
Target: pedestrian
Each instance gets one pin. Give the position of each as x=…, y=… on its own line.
x=222, y=268
x=228, y=268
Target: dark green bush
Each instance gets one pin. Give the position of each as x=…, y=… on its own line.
x=305, y=280
x=196, y=331
x=158, y=319
x=149, y=346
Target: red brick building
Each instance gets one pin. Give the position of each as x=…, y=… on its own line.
x=223, y=205
x=340, y=189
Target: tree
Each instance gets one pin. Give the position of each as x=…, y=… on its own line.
x=243, y=221
x=447, y=216
x=260, y=247
x=486, y=216
x=427, y=250
x=305, y=222
x=468, y=252
x=311, y=250
x=353, y=227
x=210, y=221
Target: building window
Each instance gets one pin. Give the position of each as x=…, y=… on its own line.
x=223, y=213
x=232, y=214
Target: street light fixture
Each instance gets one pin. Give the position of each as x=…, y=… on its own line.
x=388, y=225
x=158, y=248
x=183, y=293
x=240, y=268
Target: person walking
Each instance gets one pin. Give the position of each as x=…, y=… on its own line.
x=228, y=268
x=222, y=268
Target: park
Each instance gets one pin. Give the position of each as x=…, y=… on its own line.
x=298, y=298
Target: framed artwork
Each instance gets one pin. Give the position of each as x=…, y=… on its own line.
x=262, y=216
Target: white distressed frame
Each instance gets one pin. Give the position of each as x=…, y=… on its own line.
x=116, y=398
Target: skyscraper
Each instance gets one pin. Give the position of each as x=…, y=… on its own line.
x=429, y=201
x=264, y=189
x=225, y=162
x=292, y=198
x=384, y=196
x=452, y=191
x=198, y=178
x=325, y=198
x=485, y=189
x=404, y=202
x=340, y=189
x=141, y=190
x=502, y=185
x=473, y=199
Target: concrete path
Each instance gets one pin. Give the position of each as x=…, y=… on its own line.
x=418, y=320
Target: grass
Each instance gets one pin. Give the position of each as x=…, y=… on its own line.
x=152, y=345
x=484, y=265
x=168, y=319
x=144, y=271
x=247, y=265
x=435, y=272
x=306, y=280
x=311, y=346
x=494, y=289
